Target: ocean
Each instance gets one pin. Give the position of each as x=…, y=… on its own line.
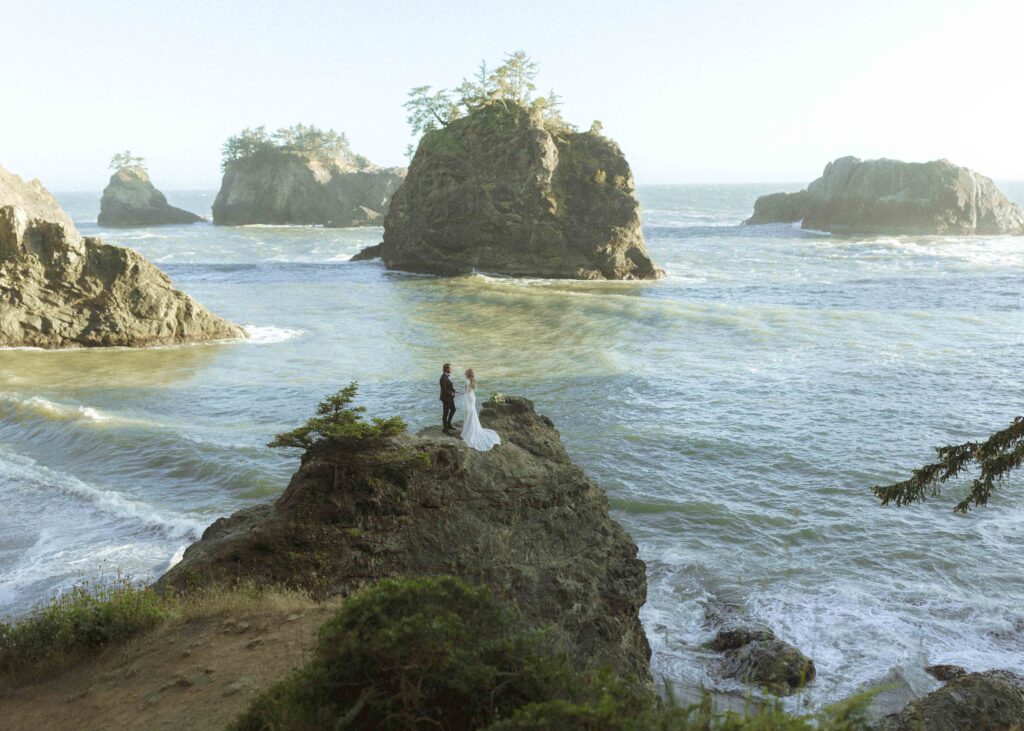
x=737, y=413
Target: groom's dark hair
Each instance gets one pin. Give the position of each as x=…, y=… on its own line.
x=446, y=366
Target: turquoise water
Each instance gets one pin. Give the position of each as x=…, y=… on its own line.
x=737, y=414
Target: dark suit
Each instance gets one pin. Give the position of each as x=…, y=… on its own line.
x=447, y=400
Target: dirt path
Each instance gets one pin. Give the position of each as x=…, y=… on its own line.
x=199, y=673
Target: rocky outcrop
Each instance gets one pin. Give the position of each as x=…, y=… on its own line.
x=757, y=657
x=521, y=518
x=889, y=197
x=291, y=187
x=369, y=253
x=992, y=700
x=131, y=200
x=497, y=191
x=60, y=290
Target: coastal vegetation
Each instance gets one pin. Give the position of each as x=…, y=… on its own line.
x=126, y=161
x=995, y=457
x=309, y=140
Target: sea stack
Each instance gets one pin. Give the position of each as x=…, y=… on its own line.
x=521, y=518
x=130, y=199
x=301, y=175
x=501, y=191
x=61, y=290
x=890, y=197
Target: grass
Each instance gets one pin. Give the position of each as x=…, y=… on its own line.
x=93, y=615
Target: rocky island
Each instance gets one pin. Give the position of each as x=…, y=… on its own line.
x=130, y=198
x=890, y=197
x=500, y=183
x=522, y=519
x=301, y=175
x=59, y=289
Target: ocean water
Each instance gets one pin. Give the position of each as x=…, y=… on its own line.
x=737, y=413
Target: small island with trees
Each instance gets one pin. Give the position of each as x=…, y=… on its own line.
x=130, y=199
x=501, y=183
x=300, y=175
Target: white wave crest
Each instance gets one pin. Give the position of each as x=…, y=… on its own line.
x=57, y=411
x=269, y=334
x=110, y=502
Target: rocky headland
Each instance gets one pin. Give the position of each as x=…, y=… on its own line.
x=890, y=197
x=280, y=186
x=130, y=199
x=59, y=289
x=521, y=518
x=500, y=191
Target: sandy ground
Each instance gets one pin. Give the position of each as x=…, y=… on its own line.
x=195, y=674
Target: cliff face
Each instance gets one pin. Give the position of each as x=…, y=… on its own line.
x=280, y=187
x=498, y=192
x=60, y=290
x=889, y=197
x=131, y=200
x=521, y=518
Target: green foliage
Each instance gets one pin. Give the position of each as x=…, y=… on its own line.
x=418, y=653
x=436, y=653
x=128, y=162
x=311, y=140
x=511, y=83
x=83, y=618
x=997, y=456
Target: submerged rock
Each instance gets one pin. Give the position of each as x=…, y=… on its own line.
x=277, y=186
x=130, y=199
x=756, y=656
x=945, y=672
x=498, y=191
x=890, y=197
x=992, y=700
x=60, y=290
x=521, y=518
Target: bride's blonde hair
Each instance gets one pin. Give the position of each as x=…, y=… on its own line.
x=471, y=377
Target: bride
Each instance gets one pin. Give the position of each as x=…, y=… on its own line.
x=472, y=433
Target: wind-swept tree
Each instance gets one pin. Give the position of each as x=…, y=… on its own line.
x=515, y=78
x=995, y=457
x=429, y=110
x=127, y=161
x=338, y=435
x=246, y=143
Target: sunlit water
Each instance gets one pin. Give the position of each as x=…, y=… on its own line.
x=737, y=413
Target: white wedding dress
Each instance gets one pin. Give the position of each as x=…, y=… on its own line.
x=473, y=434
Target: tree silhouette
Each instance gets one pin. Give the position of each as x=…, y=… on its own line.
x=128, y=162
x=997, y=456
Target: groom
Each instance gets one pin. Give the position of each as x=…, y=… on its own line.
x=447, y=398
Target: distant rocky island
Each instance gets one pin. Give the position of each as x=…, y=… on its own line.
x=130, y=199
x=61, y=290
x=500, y=183
x=890, y=197
x=301, y=175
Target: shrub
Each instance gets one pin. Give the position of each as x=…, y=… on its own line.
x=83, y=618
x=417, y=653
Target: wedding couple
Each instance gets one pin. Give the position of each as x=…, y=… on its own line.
x=473, y=434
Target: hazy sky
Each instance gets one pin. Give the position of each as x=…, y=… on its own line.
x=693, y=90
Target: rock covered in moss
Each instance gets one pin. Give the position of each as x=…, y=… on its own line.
x=498, y=191
x=130, y=199
x=60, y=290
x=756, y=656
x=291, y=187
x=992, y=700
x=891, y=197
x=521, y=518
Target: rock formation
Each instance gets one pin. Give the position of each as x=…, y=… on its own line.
x=60, y=290
x=521, y=518
x=889, y=197
x=498, y=191
x=131, y=200
x=281, y=186
x=992, y=700
x=756, y=656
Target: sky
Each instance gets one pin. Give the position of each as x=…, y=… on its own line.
x=713, y=91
